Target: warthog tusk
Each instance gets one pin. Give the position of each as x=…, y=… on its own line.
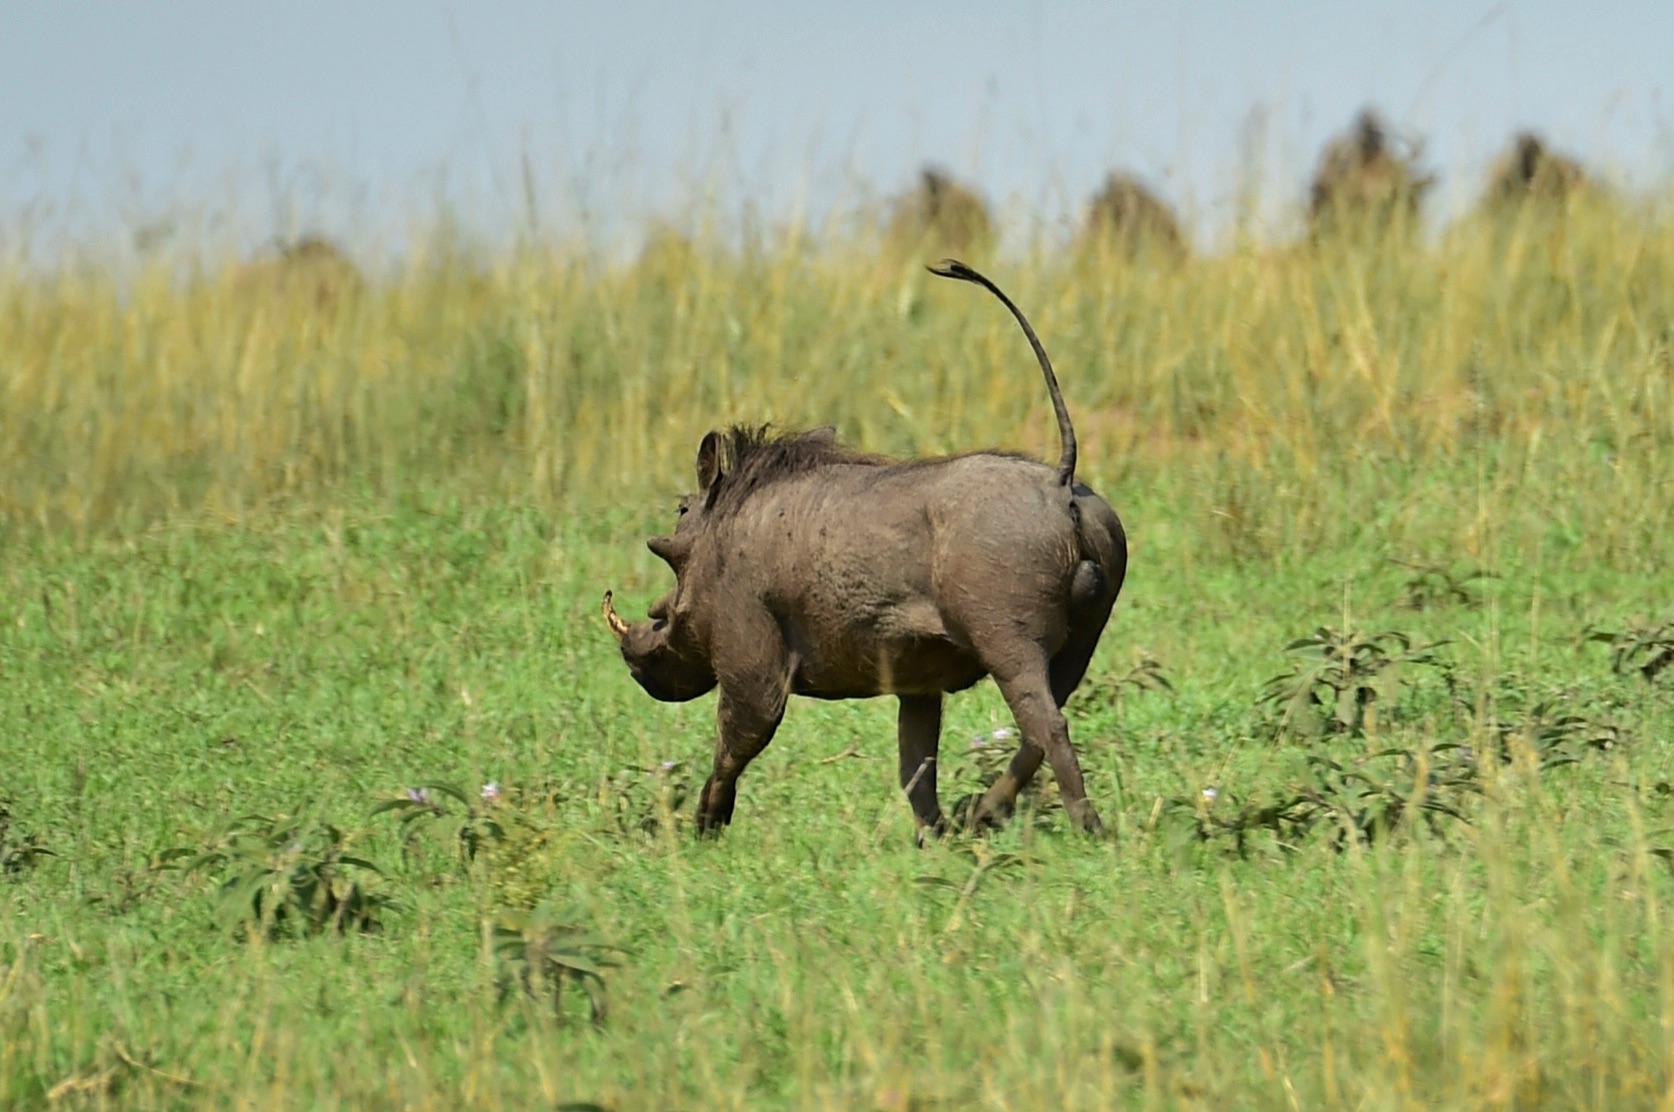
x=618, y=628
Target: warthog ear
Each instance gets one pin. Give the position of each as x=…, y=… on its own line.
x=709, y=466
x=709, y=460
x=671, y=550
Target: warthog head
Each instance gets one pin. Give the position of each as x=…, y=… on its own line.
x=804, y=567
x=667, y=653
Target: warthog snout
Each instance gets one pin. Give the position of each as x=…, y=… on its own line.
x=665, y=666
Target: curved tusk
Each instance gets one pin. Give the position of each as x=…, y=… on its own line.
x=618, y=628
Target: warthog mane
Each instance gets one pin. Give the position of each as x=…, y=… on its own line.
x=753, y=457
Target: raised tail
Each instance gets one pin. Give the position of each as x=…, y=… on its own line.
x=953, y=268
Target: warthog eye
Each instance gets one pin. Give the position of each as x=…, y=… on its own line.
x=685, y=504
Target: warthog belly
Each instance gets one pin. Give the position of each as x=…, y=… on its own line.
x=920, y=666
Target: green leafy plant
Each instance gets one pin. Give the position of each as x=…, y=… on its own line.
x=1645, y=649
x=525, y=862
x=1368, y=797
x=133, y=885
x=1557, y=735
x=984, y=863
x=1337, y=676
x=446, y=812
x=505, y=837
x=542, y=953
x=20, y=849
x=1146, y=675
x=1432, y=585
x=648, y=800
x=282, y=875
x=1372, y=796
x=1217, y=814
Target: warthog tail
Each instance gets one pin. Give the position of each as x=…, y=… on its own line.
x=953, y=268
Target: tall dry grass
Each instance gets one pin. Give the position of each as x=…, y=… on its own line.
x=540, y=374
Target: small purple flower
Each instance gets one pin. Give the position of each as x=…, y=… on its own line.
x=491, y=792
x=668, y=766
x=419, y=795
x=1004, y=733
x=1210, y=795
x=980, y=741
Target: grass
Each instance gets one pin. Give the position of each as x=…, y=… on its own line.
x=267, y=558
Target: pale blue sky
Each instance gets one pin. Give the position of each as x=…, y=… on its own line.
x=246, y=120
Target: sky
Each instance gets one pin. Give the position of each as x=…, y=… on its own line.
x=127, y=126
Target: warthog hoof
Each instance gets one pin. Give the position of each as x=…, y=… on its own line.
x=966, y=816
x=930, y=832
x=1087, y=818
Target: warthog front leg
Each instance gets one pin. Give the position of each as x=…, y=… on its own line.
x=919, y=729
x=747, y=720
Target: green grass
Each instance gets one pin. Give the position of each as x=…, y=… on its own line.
x=302, y=583
x=161, y=684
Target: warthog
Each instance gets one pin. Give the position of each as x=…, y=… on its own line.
x=1128, y=219
x=1362, y=182
x=802, y=567
x=938, y=215
x=1532, y=171
x=311, y=271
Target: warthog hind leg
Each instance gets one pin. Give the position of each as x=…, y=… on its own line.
x=919, y=729
x=1036, y=696
x=996, y=805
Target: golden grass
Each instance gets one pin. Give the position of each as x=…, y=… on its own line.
x=553, y=378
